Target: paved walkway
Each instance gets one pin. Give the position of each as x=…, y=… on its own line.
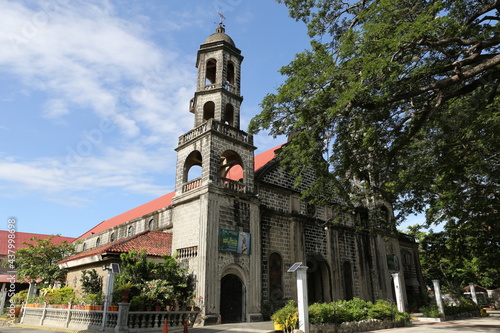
x=480, y=324
x=472, y=325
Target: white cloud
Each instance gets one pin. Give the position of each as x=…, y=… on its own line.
x=78, y=55
x=84, y=173
x=79, y=52
x=55, y=108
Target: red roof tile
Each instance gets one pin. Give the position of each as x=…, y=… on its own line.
x=155, y=243
x=165, y=201
x=21, y=237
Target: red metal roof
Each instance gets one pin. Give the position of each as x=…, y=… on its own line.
x=165, y=201
x=155, y=243
x=22, y=237
x=151, y=206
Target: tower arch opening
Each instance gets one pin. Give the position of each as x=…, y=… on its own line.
x=229, y=115
x=230, y=73
x=208, y=111
x=232, y=171
x=192, y=171
x=231, y=166
x=211, y=71
x=192, y=166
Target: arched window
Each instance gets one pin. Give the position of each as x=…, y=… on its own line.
x=112, y=237
x=84, y=246
x=130, y=231
x=275, y=276
x=151, y=224
x=98, y=242
x=210, y=74
x=208, y=111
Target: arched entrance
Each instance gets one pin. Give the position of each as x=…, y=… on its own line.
x=231, y=299
x=318, y=280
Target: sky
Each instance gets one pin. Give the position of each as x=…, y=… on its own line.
x=94, y=95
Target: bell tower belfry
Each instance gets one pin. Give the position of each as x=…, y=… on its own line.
x=216, y=212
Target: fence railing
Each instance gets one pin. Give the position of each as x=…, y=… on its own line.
x=122, y=320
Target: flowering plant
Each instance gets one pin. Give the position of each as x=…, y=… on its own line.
x=159, y=292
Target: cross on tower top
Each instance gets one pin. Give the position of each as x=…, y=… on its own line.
x=221, y=19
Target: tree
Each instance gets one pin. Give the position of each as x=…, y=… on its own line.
x=91, y=282
x=38, y=260
x=442, y=257
x=397, y=100
x=137, y=270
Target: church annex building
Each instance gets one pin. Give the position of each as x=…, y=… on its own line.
x=236, y=220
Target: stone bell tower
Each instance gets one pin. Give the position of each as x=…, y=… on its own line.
x=216, y=212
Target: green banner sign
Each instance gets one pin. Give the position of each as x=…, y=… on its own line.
x=234, y=241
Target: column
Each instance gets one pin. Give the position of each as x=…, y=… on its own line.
x=439, y=300
x=302, y=299
x=399, y=292
x=473, y=292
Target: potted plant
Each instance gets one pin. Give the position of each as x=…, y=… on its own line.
x=17, y=299
x=125, y=289
x=92, y=301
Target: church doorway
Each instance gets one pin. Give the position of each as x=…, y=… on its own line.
x=231, y=299
x=318, y=280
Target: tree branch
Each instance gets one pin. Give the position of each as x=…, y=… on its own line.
x=485, y=9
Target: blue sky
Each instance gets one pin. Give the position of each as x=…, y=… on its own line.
x=95, y=94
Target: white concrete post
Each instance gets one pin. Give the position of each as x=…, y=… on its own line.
x=3, y=296
x=439, y=300
x=399, y=292
x=302, y=299
x=473, y=292
x=108, y=297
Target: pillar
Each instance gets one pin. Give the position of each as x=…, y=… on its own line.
x=122, y=321
x=399, y=292
x=473, y=292
x=439, y=300
x=302, y=299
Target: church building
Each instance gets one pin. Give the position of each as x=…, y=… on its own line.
x=236, y=221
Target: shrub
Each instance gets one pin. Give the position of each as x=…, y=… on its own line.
x=287, y=317
x=57, y=295
x=321, y=313
x=382, y=309
x=357, y=308
x=19, y=297
x=430, y=310
x=465, y=306
x=345, y=311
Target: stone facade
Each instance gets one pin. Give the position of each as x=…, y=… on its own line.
x=239, y=228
